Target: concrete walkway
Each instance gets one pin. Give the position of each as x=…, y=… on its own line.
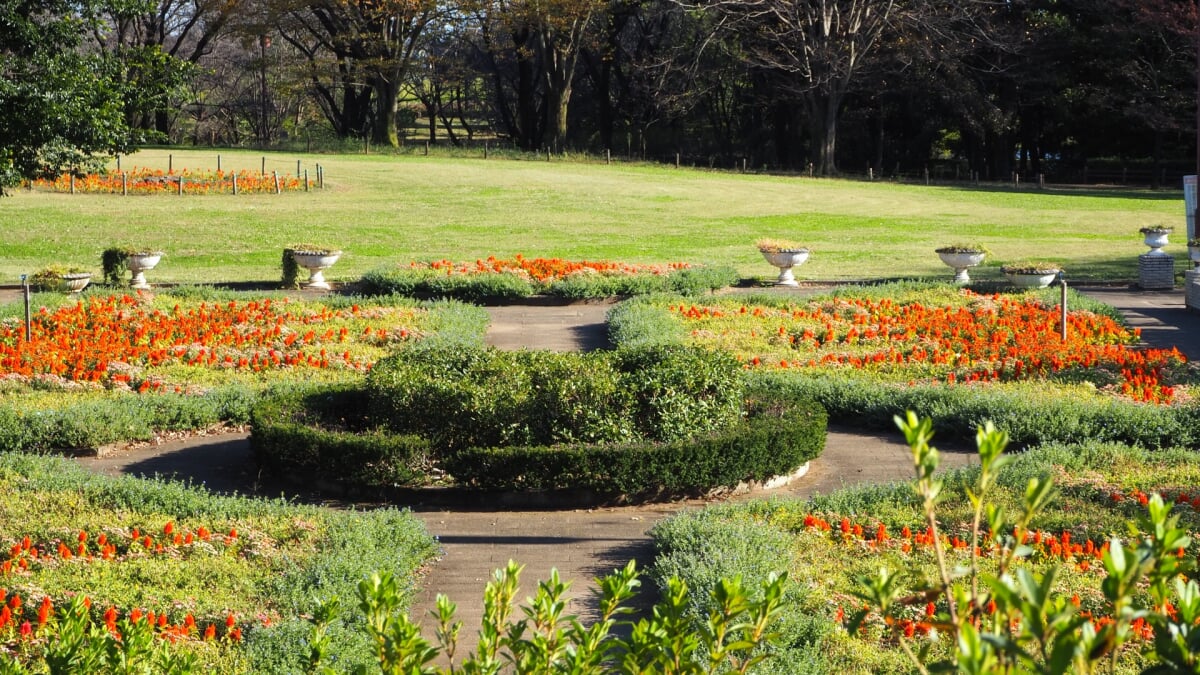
x=585, y=543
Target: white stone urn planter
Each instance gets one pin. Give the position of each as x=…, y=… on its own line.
x=75, y=282
x=139, y=264
x=316, y=262
x=60, y=279
x=1156, y=238
x=785, y=259
x=960, y=260
x=1031, y=277
x=1194, y=254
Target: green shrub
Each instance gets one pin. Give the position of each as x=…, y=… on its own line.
x=700, y=547
x=115, y=417
x=460, y=396
x=468, y=288
x=777, y=436
x=641, y=322
x=634, y=424
x=680, y=391
x=702, y=279
x=322, y=434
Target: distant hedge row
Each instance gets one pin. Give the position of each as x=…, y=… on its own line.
x=424, y=282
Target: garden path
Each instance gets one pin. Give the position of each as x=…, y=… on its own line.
x=588, y=542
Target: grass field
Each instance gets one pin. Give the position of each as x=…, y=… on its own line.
x=384, y=209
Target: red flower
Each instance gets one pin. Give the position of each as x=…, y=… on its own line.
x=45, y=611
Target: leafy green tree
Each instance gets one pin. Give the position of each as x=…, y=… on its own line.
x=62, y=104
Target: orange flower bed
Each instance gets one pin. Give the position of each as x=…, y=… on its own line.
x=544, y=270
x=988, y=339
x=26, y=556
x=1084, y=557
x=155, y=181
x=16, y=621
x=113, y=340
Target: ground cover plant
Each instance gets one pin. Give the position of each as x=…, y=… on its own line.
x=188, y=357
x=1052, y=581
x=381, y=209
x=164, y=573
x=866, y=354
x=519, y=277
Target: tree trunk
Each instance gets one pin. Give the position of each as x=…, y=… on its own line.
x=822, y=122
x=432, y=115
x=387, y=97
x=556, y=105
x=559, y=64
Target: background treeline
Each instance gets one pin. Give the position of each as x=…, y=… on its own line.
x=1077, y=90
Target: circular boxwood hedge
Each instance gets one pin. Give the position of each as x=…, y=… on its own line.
x=633, y=424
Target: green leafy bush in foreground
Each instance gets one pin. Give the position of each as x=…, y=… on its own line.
x=540, y=638
x=1014, y=605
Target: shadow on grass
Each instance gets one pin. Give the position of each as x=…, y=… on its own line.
x=1102, y=192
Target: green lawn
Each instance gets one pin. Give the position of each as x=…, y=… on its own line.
x=383, y=209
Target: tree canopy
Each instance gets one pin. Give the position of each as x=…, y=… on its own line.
x=63, y=98
x=1078, y=89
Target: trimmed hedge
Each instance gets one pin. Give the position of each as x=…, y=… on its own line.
x=1030, y=416
x=778, y=435
x=635, y=424
x=459, y=396
x=505, y=286
x=316, y=434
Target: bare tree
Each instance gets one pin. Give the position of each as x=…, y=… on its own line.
x=155, y=38
x=375, y=42
x=819, y=44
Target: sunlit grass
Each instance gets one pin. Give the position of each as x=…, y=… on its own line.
x=387, y=209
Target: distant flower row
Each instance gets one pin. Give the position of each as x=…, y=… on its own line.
x=544, y=270
x=155, y=181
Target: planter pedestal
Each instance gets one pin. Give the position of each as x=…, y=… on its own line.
x=1191, y=289
x=1156, y=271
